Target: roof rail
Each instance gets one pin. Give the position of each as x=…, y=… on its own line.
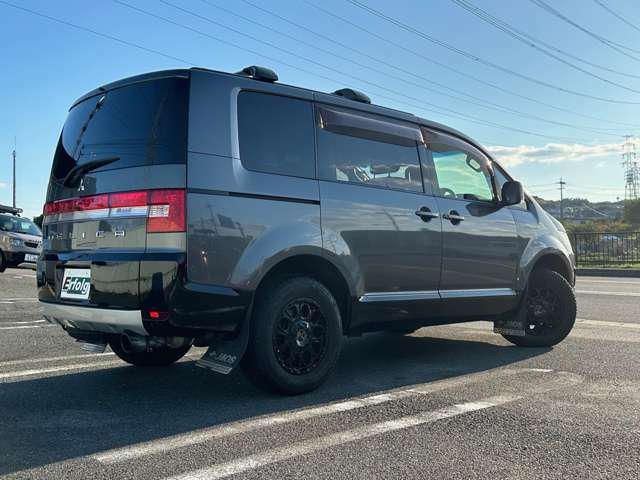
x=352, y=94
x=8, y=209
x=256, y=72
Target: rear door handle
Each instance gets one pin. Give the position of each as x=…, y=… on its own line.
x=425, y=214
x=453, y=216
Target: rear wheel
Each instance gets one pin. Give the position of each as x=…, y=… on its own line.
x=296, y=336
x=158, y=357
x=3, y=263
x=551, y=310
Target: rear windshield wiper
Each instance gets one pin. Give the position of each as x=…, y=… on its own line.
x=78, y=171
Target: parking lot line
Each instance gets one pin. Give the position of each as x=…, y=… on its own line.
x=65, y=368
x=603, y=323
x=200, y=436
x=604, y=292
x=53, y=359
x=30, y=322
x=20, y=327
x=306, y=447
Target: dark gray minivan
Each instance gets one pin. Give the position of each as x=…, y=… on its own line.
x=266, y=222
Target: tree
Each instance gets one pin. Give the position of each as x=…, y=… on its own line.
x=632, y=211
x=38, y=221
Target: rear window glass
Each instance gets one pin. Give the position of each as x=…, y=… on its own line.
x=276, y=134
x=140, y=124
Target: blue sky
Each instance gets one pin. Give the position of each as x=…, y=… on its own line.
x=47, y=65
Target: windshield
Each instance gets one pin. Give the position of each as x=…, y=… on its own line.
x=18, y=225
x=139, y=124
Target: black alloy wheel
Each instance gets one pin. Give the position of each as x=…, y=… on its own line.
x=300, y=336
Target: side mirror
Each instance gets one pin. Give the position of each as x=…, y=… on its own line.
x=512, y=193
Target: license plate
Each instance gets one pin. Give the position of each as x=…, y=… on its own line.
x=29, y=257
x=76, y=283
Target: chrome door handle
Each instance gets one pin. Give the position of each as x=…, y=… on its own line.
x=425, y=214
x=453, y=216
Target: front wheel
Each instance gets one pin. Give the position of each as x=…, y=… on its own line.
x=158, y=357
x=551, y=310
x=296, y=336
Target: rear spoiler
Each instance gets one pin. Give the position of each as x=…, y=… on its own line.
x=12, y=210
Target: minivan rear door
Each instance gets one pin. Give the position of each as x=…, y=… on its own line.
x=375, y=216
x=120, y=159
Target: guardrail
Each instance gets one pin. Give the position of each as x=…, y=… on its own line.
x=607, y=249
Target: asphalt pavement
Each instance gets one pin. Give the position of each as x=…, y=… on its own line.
x=445, y=402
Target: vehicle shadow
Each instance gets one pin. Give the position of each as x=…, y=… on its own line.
x=52, y=419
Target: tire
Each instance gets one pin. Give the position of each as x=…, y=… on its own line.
x=158, y=357
x=551, y=310
x=296, y=336
x=3, y=263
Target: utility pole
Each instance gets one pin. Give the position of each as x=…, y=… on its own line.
x=14, y=172
x=562, y=184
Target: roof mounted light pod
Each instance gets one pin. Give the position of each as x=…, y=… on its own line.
x=256, y=72
x=352, y=94
x=11, y=210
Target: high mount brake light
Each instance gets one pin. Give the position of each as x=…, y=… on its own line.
x=164, y=209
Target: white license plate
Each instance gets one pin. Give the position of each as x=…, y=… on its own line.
x=29, y=257
x=76, y=283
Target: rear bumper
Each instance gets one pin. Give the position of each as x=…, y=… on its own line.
x=97, y=320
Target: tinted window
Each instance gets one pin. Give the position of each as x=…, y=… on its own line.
x=276, y=134
x=370, y=151
x=460, y=174
x=140, y=124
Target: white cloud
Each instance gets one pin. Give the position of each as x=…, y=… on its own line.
x=552, y=152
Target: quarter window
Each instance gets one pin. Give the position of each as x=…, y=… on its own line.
x=369, y=150
x=276, y=134
x=460, y=174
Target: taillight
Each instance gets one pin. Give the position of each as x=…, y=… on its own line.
x=164, y=209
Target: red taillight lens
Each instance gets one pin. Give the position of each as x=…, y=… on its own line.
x=128, y=199
x=90, y=203
x=166, y=211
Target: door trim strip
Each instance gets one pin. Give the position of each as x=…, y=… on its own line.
x=399, y=296
x=436, y=294
x=478, y=292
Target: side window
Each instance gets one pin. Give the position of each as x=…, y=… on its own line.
x=367, y=149
x=460, y=174
x=276, y=134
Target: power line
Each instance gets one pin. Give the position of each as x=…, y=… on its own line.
x=483, y=61
x=94, y=32
x=497, y=87
x=478, y=101
x=617, y=15
x=610, y=43
x=381, y=87
x=535, y=43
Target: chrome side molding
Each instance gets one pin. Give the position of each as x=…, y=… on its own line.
x=436, y=294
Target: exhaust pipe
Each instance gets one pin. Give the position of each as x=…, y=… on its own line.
x=132, y=343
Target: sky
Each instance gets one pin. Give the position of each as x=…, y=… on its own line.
x=537, y=127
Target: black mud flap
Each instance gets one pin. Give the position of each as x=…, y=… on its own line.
x=516, y=323
x=224, y=355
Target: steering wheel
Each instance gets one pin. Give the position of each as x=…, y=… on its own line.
x=447, y=192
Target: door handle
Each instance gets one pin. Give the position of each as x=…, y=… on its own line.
x=425, y=214
x=453, y=216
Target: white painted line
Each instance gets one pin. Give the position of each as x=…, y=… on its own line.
x=623, y=282
x=65, y=368
x=602, y=323
x=20, y=327
x=54, y=359
x=30, y=322
x=306, y=447
x=603, y=292
x=200, y=436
